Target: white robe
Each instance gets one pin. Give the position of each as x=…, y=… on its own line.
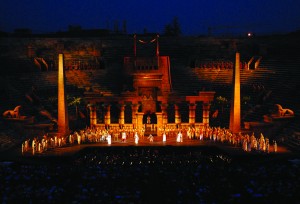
x=179, y=137
x=164, y=137
x=124, y=136
x=136, y=138
x=108, y=138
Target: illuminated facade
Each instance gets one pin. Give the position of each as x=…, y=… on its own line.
x=125, y=80
x=150, y=96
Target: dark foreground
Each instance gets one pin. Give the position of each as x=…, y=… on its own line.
x=154, y=174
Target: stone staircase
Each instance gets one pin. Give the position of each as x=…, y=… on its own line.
x=105, y=82
x=290, y=135
x=271, y=75
x=284, y=82
x=184, y=82
x=8, y=137
x=7, y=141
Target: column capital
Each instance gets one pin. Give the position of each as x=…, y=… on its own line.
x=91, y=105
x=164, y=105
x=106, y=106
x=176, y=107
x=121, y=106
x=135, y=104
x=206, y=102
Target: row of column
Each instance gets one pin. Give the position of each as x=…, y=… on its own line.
x=162, y=118
x=93, y=114
x=192, y=113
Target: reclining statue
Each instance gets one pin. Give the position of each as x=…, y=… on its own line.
x=281, y=112
x=12, y=113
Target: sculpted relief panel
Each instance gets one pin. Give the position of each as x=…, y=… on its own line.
x=148, y=100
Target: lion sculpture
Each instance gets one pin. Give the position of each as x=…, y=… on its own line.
x=279, y=111
x=12, y=113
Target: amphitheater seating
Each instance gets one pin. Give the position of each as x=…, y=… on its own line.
x=8, y=138
x=278, y=75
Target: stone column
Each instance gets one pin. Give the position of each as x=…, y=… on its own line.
x=134, y=110
x=107, y=115
x=235, y=109
x=159, y=121
x=192, y=110
x=122, y=115
x=177, y=114
x=63, y=121
x=139, y=118
x=205, y=113
x=93, y=114
x=164, y=114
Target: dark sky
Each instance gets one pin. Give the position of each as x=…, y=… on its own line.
x=195, y=16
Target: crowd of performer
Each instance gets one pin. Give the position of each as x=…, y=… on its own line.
x=223, y=135
x=101, y=135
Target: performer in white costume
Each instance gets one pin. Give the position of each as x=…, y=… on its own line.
x=78, y=138
x=23, y=147
x=151, y=138
x=108, y=138
x=123, y=136
x=164, y=137
x=136, y=138
x=179, y=137
x=275, y=146
x=33, y=147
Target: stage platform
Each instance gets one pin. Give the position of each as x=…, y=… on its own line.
x=70, y=150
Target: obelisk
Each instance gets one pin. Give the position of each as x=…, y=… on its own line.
x=63, y=121
x=235, y=109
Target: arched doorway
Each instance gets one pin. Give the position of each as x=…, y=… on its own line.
x=149, y=118
x=150, y=123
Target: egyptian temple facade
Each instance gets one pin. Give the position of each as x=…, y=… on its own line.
x=147, y=97
x=149, y=81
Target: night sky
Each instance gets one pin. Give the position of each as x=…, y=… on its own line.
x=195, y=16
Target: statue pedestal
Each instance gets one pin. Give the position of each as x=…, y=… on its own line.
x=148, y=126
x=150, y=129
x=20, y=120
x=275, y=118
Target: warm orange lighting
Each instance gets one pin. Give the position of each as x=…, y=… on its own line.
x=63, y=123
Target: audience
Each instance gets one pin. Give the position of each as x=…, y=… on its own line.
x=150, y=174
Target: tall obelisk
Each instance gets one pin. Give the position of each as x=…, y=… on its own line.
x=235, y=109
x=63, y=120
